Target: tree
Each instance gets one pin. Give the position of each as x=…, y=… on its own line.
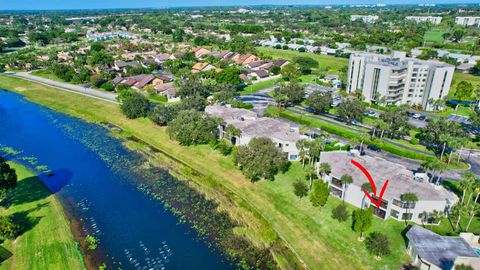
x=135, y=106
x=310, y=172
x=108, y=86
x=362, y=220
x=351, y=110
x=8, y=178
x=458, y=35
x=300, y=189
x=464, y=91
x=8, y=228
x=397, y=120
x=320, y=193
x=410, y=198
x=319, y=102
x=325, y=168
x=305, y=63
x=191, y=127
x=340, y=213
x=378, y=244
x=229, y=75
x=96, y=47
x=346, y=180
x=260, y=159
x=290, y=72
x=162, y=114
x=292, y=93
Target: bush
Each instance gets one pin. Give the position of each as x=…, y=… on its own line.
x=8, y=228
x=414, y=141
x=319, y=195
x=340, y=213
x=224, y=148
x=108, y=86
x=378, y=244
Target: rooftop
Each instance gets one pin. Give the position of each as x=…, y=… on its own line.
x=439, y=250
x=401, y=180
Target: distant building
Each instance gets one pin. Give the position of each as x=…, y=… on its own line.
x=432, y=251
x=364, y=18
x=109, y=35
x=401, y=180
x=468, y=21
x=431, y=19
x=283, y=134
x=399, y=80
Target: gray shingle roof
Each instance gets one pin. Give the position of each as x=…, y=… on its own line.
x=439, y=250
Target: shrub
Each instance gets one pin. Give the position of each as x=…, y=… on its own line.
x=378, y=244
x=319, y=195
x=224, y=148
x=414, y=141
x=340, y=213
x=300, y=189
x=8, y=228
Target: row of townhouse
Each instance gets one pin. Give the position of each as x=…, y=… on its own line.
x=398, y=79
x=430, y=197
x=464, y=21
x=284, y=134
x=110, y=35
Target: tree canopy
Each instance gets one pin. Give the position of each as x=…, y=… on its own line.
x=319, y=102
x=192, y=127
x=134, y=106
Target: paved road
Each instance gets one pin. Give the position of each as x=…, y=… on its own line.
x=110, y=97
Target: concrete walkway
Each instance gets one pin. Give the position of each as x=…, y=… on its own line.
x=105, y=96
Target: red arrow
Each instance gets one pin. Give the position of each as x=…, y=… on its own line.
x=372, y=184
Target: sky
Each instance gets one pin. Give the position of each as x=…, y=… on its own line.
x=102, y=4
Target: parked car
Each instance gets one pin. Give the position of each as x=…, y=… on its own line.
x=416, y=115
x=422, y=117
x=374, y=148
x=356, y=123
x=410, y=114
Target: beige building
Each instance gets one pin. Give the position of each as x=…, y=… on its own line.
x=420, y=19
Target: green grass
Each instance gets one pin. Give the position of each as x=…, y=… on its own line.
x=265, y=210
x=434, y=36
x=255, y=87
x=47, y=75
x=47, y=242
x=342, y=240
x=332, y=64
x=460, y=76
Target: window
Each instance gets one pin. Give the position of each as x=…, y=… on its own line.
x=394, y=214
x=406, y=216
x=410, y=205
x=397, y=203
x=293, y=157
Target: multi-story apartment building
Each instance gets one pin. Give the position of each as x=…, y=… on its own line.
x=398, y=80
x=284, y=134
x=401, y=181
x=419, y=19
x=364, y=18
x=468, y=21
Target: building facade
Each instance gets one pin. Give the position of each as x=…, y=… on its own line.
x=398, y=80
x=401, y=180
x=364, y=18
x=468, y=21
x=420, y=19
x=284, y=134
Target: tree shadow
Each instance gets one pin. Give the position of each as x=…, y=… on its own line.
x=4, y=254
x=24, y=221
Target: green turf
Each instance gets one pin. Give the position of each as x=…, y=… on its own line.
x=257, y=86
x=434, y=36
x=47, y=242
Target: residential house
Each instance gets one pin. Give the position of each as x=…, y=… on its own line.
x=43, y=57
x=281, y=63
x=257, y=74
x=122, y=66
x=284, y=134
x=169, y=90
x=429, y=250
x=160, y=58
x=64, y=55
x=201, y=67
x=199, y=52
x=137, y=81
x=244, y=59
x=401, y=180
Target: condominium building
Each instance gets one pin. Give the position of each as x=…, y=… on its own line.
x=364, y=18
x=420, y=19
x=401, y=181
x=468, y=21
x=284, y=134
x=398, y=80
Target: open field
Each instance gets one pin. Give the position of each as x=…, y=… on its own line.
x=310, y=232
x=47, y=242
x=255, y=87
x=47, y=75
x=331, y=63
x=434, y=36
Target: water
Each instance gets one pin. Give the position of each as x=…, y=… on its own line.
x=92, y=174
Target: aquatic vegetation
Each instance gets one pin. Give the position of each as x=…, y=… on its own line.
x=9, y=151
x=92, y=242
x=31, y=160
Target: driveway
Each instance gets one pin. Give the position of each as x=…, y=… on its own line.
x=110, y=97
x=260, y=101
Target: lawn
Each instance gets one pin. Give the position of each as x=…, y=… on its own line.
x=434, y=36
x=268, y=211
x=47, y=242
x=332, y=64
x=460, y=76
x=47, y=75
x=257, y=86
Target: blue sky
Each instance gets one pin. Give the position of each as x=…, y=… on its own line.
x=93, y=4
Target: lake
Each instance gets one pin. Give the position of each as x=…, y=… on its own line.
x=93, y=175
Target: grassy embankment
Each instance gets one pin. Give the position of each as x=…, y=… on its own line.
x=47, y=242
x=269, y=209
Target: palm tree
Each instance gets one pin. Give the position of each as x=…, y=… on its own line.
x=444, y=138
x=458, y=211
x=310, y=172
x=325, y=168
x=465, y=184
x=427, y=166
x=302, y=146
x=363, y=138
x=454, y=144
x=437, y=217
x=474, y=210
x=367, y=187
x=346, y=181
x=438, y=169
x=409, y=198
